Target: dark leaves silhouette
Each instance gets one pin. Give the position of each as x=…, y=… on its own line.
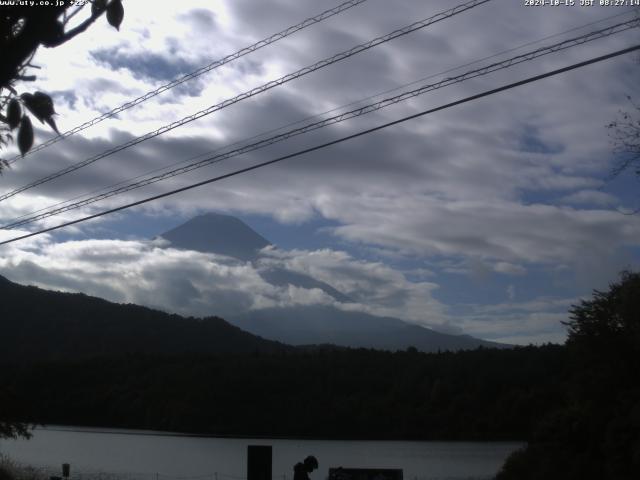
x=52, y=33
x=41, y=106
x=115, y=13
x=97, y=7
x=25, y=135
x=14, y=113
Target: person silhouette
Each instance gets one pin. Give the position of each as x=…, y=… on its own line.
x=301, y=470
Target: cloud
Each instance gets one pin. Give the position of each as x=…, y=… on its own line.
x=539, y=327
x=375, y=288
x=509, y=268
x=530, y=306
x=590, y=197
x=189, y=283
x=193, y=283
x=507, y=184
x=502, y=230
x=198, y=284
x=153, y=67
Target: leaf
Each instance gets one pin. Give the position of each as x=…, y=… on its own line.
x=115, y=13
x=25, y=135
x=14, y=112
x=51, y=33
x=29, y=102
x=97, y=7
x=44, y=104
x=52, y=123
x=39, y=104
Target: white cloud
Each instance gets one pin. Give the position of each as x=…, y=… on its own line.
x=193, y=283
x=376, y=288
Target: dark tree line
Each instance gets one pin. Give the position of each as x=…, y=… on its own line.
x=578, y=405
x=596, y=433
x=70, y=358
x=40, y=326
x=331, y=393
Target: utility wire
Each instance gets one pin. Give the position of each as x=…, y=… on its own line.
x=201, y=71
x=255, y=91
x=335, y=119
x=333, y=142
x=319, y=115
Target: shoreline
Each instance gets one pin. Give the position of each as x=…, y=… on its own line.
x=160, y=433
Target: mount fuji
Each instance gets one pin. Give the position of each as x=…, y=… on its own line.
x=310, y=324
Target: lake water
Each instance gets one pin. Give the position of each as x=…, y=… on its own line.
x=126, y=454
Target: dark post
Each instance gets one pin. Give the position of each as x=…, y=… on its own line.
x=66, y=470
x=259, y=462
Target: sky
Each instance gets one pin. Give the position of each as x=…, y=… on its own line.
x=490, y=218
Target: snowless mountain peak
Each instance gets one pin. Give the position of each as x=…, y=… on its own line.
x=217, y=233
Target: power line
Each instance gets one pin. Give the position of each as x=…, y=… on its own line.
x=196, y=73
x=335, y=119
x=333, y=142
x=320, y=115
x=255, y=91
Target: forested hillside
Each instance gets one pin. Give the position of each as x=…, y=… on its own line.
x=482, y=394
x=38, y=325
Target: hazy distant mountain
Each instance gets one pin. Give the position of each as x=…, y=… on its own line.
x=227, y=235
x=216, y=233
x=319, y=325
x=230, y=236
x=37, y=324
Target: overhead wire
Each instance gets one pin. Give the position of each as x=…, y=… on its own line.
x=255, y=91
x=560, y=46
x=319, y=115
x=196, y=73
x=330, y=143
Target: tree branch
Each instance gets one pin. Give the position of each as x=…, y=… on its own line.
x=75, y=31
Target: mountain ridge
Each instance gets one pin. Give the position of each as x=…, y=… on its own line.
x=38, y=324
x=327, y=325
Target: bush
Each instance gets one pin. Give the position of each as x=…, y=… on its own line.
x=11, y=470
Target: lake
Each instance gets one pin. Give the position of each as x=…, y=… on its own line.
x=131, y=454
